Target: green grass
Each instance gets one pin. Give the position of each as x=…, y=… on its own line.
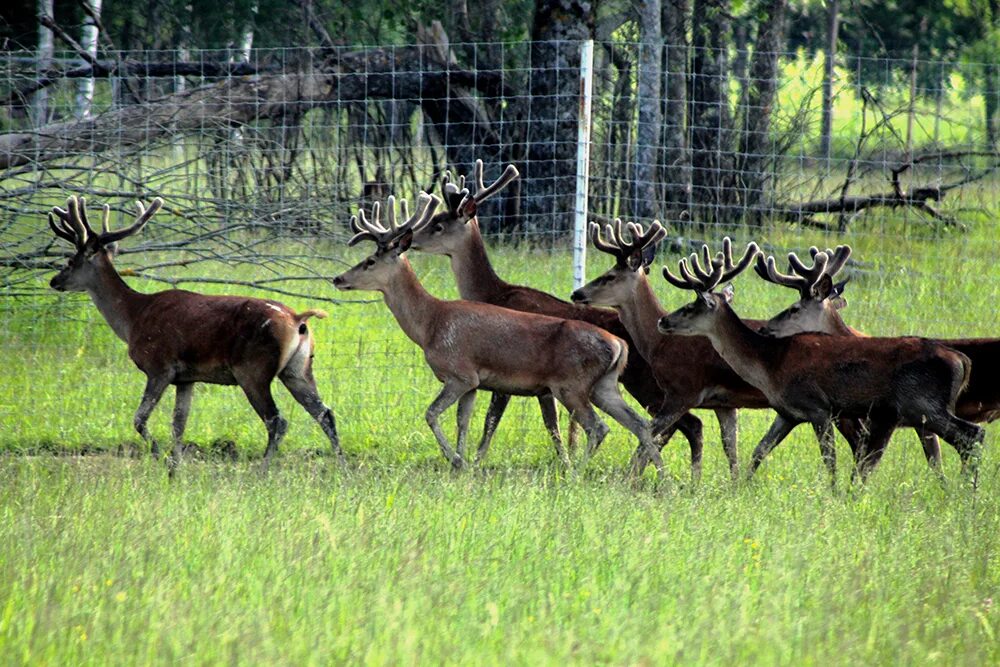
x=398, y=561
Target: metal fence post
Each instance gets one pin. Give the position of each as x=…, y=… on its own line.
x=582, y=164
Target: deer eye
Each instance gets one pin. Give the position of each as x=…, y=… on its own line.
x=439, y=228
x=370, y=262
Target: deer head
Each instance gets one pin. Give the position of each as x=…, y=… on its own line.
x=819, y=298
x=93, y=251
x=447, y=230
x=376, y=270
x=699, y=318
x=632, y=255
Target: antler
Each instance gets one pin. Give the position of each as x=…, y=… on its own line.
x=73, y=224
x=617, y=246
x=382, y=236
x=720, y=269
x=804, y=278
x=457, y=194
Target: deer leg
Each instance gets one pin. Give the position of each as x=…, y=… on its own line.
x=498, y=404
x=855, y=432
x=303, y=389
x=155, y=386
x=463, y=416
x=780, y=428
x=880, y=431
x=932, y=448
x=607, y=397
x=595, y=429
x=965, y=436
x=666, y=420
x=259, y=395
x=182, y=408
x=729, y=427
x=824, y=434
x=451, y=392
x=550, y=416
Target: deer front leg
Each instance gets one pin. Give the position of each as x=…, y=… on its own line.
x=729, y=428
x=607, y=397
x=780, y=428
x=155, y=386
x=452, y=391
x=932, y=448
x=464, y=415
x=182, y=408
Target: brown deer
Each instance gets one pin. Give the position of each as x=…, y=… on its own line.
x=816, y=378
x=690, y=373
x=180, y=338
x=818, y=309
x=455, y=233
x=471, y=345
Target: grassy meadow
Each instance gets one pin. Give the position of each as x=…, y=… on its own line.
x=397, y=560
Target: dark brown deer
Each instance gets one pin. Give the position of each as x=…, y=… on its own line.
x=180, y=338
x=816, y=378
x=818, y=309
x=690, y=373
x=455, y=233
x=471, y=345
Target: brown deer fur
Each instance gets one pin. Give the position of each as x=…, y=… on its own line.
x=179, y=338
x=471, y=345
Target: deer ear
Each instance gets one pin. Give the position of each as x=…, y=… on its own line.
x=404, y=243
x=822, y=288
x=634, y=261
x=838, y=302
x=838, y=289
x=648, y=255
x=112, y=249
x=727, y=293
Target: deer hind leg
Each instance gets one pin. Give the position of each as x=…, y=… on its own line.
x=463, y=416
x=606, y=396
x=550, y=416
x=780, y=428
x=880, y=431
x=729, y=425
x=155, y=386
x=931, y=446
x=302, y=386
x=827, y=450
x=498, y=405
x=258, y=392
x=965, y=436
x=451, y=392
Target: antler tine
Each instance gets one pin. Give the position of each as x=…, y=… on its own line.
x=106, y=219
x=730, y=270
x=72, y=214
x=390, y=209
x=600, y=243
x=482, y=192
x=838, y=258
x=365, y=229
x=703, y=276
x=813, y=273
x=651, y=235
x=426, y=205
x=140, y=221
x=82, y=210
x=771, y=274
x=60, y=231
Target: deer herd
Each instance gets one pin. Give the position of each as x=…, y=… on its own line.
x=805, y=363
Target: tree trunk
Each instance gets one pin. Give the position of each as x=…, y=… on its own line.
x=676, y=165
x=991, y=87
x=830, y=59
x=40, y=100
x=552, y=114
x=710, y=116
x=756, y=153
x=88, y=40
x=648, y=134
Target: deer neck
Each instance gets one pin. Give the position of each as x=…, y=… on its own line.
x=748, y=353
x=413, y=307
x=477, y=281
x=116, y=301
x=639, y=314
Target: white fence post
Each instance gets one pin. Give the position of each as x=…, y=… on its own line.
x=582, y=165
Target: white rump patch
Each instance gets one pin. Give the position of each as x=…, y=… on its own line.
x=271, y=305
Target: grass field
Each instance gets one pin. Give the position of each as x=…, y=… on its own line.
x=396, y=560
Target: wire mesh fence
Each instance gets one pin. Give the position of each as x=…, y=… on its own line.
x=262, y=157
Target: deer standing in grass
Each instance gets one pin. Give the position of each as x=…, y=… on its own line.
x=818, y=310
x=816, y=378
x=179, y=338
x=471, y=345
x=689, y=372
x=455, y=233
